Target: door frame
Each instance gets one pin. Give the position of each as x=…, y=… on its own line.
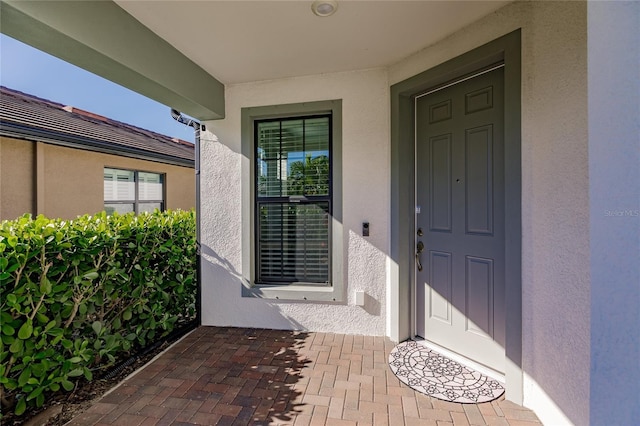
x=403, y=203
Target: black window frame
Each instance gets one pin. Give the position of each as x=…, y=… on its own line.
x=259, y=200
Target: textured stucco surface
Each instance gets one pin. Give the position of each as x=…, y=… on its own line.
x=71, y=180
x=555, y=202
x=16, y=178
x=614, y=174
x=365, y=176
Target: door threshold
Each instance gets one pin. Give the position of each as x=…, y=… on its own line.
x=483, y=369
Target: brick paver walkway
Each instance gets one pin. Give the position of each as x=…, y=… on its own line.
x=241, y=376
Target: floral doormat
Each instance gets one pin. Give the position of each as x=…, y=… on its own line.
x=430, y=373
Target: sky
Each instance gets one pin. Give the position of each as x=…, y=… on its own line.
x=37, y=73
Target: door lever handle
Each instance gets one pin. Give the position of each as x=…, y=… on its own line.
x=419, y=249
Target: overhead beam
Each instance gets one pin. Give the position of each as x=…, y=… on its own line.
x=101, y=37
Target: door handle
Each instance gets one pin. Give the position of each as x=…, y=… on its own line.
x=419, y=249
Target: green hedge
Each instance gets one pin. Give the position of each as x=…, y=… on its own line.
x=77, y=296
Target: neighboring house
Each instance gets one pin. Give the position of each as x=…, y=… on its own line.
x=463, y=172
x=62, y=162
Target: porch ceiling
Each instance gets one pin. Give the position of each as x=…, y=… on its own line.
x=182, y=53
x=242, y=41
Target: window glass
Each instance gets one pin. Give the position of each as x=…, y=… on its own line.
x=119, y=185
x=294, y=242
x=120, y=208
x=149, y=186
x=293, y=157
x=293, y=173
x=149, y=207
x=132, y=191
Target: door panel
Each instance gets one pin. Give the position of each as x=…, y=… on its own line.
x=440, y=193
x=460, y=191
x=479, y=180
x=441, y=288
x=479, y=295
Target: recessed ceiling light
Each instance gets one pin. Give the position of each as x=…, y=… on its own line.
x=324, y=7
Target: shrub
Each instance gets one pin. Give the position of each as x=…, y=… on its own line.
x=76, y=296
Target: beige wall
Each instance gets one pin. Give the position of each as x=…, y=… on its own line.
x=17, y=159
x=62, y=182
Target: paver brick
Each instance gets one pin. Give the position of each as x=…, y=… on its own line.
x=302, y=420
x=127, y=419
x=153, y=411
x=411, y=421
x=319, y=416
x=496, y=421
x=227, y=410
x=460, y=419
x=517, y=414
x=381, y=419
x=351, y=399
x=396, y=416
x=446, y=405
x=316, y=400
x=85, y=419
x=101, y=408
x=410, y=407
x=335, y=408
x=149, y=421
x=373, y=407
x=473, y=414
x=236, y=376
x=513, y=422
x=436, y=414
x=357, y=415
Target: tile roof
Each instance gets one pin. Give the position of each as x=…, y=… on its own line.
x=41, y=119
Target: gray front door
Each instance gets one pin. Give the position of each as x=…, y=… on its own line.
x=460, y=218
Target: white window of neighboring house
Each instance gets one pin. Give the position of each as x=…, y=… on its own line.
x=132, y=191
x=292, y=236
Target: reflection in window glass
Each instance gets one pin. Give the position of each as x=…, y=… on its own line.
x=149, y=186
x=119, y=208
x=119, y=185
x=293, y=157
x=149, y=207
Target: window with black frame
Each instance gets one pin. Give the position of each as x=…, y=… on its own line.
x=132, y=191
x=293, y=200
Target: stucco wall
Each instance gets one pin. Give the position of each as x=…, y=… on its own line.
x=555, y=194
x=614, y=176
x=555, y=199
x=16, y=178
x=365, y=176
x=70, y=181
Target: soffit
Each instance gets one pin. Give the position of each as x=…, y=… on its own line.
x=242, y=41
